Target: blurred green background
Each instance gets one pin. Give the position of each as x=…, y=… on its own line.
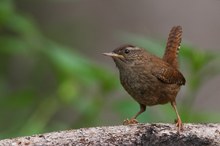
x=53, y=76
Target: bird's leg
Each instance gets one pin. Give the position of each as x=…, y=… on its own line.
x=133, y=119
x=179, y=123
x=142, y=109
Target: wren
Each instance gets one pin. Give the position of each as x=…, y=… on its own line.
x=151, y=80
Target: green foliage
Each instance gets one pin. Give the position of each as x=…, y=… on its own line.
x=39, y=79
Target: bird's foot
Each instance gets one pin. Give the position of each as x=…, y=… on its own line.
x=179, y=125
x=131, y=121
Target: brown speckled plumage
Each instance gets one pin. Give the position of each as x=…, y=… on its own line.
x=149, y=79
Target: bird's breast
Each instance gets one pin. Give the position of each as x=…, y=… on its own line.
x=138, y=86
x=146, y=89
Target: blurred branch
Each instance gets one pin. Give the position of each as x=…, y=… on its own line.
x=140, y=134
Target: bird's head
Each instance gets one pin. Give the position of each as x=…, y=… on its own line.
x=126, y=55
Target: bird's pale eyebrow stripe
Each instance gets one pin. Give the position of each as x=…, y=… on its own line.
x=133, y=48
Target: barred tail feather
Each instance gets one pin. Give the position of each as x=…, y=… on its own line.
x=173, y=46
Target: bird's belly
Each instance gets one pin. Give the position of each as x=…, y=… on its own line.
x=148, y=91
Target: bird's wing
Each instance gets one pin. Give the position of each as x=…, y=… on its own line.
x=173, y=46
x=168, y=75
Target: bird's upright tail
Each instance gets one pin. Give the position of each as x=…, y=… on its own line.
x=173, y=46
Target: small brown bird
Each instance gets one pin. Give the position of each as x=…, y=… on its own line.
x=149, y=79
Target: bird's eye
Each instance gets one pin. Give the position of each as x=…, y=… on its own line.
x=127, y=51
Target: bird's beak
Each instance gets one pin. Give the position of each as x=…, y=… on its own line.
x=111, y=54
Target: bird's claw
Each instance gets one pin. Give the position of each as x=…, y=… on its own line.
x=179, y=125
x=129, y=122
